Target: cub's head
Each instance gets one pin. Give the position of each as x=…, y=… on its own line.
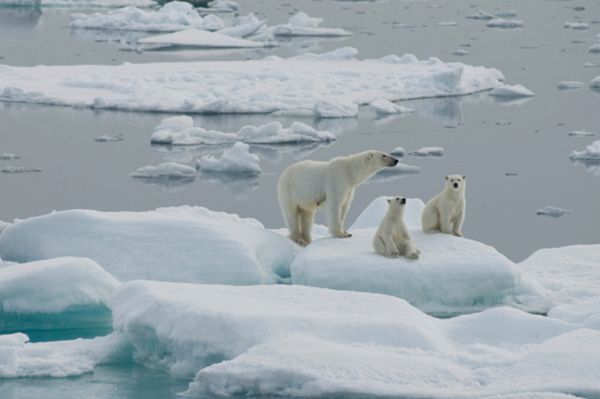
x=380, y=159
x=456, y=182
x=397, y=204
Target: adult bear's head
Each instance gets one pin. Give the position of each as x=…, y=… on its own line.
x=380, y=159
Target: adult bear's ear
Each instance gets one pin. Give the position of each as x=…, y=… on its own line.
x=370, y=155
x=389, y=200
x=464, y=177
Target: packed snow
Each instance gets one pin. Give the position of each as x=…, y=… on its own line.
x=301, y=24
x=58, y=293
x=590, y=154
x=167, y=169
x=577, y=25
x=298, y=85
x=201, y=39
x=385, y=107
x=511, y=91
x=503, y=23
x=569, y=85
x=452, y=275
x=190, y=244
x=173, y=16
x=552, y=211
x=428, y=152
x=235, y=160
x=180, y=130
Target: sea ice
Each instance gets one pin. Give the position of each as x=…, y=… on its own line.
x=190, y=244
x=167, y=169
x=461, y=52
x=582, y=133
x=569, y=85
x=201, y=39
x=105, y=138
x=552, y=211
x=577, y=25
x=173, y=16
x=79, y=3
x=398, y=152
x=235, y=160
x=590, y=154
x=398, y=171
x=594, y=48
x=511, y=91
x=385, y=107
x=428, y=152
x=481, y=15
x=243, y=26
x=301, y=24
x=223, y=6
x=303, y=85
x=7, y=156
x=18, y=169
x=595, y=83
x=503, y=23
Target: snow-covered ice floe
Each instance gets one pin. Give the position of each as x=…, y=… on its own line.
x=20, y=358
x=173, y=16
x=308, y=84
x=202, y=39
x=11, y=170
x=594, y=48
x=59, y=293
x=552, y=211
x=301, y=24
x=79, y=3
x=503, y=23
x=189, y=244
x=180, y=130
x=511, y=91
x=8, y=156
x=569, y=85
x=577, y=25
x=582, y=133
x=235, y=160
x=385, y=107
x=453, y=275
x=106, y=138
x=167, y=169
x=481, y=15
x=590, y=154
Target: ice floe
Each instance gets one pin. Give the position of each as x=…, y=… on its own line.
x=552, y=211
x=173, y=16
x=569, y=85
x=301, y=24
x=167, y=169
x=243, y=26
x=594, y=48
x=180, y=130
x=481, y=15
x=398, y=151
x=235, y=160
x=582, y=133
x=19, y=169
x=304, y=85
x=201, y=39
x=8, y=156
x=398, y=171
x=590, y=154
x=595, y=83
x=428, y=152
x=79, y=3
x=503, y=23
x=58, y=293
x=511, y=91
x=385, y=107
x=461, y=52
x=223, y=6
x=106, y=138
x=171, y=244
x=577, y=25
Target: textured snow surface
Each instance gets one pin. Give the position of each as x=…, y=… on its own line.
x=189, y=244
x=306, y=84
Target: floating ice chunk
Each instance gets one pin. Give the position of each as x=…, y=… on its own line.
x=79, y=3
x=404, y=59
x=398, y=171
x=428, y=152
x=7, y=156
x=582, y=133
x=19, y=169
x=511, y=91
x=337, y=109
x=243, y=27
x=461, y=52
x=506, y=14
x=595, y=83
x=301, y=24
x=171, y=244
x=385, y=107
x=108, y=138
x=590, y=153
x=167, y=169
x=594, y=48
x=552, y=211
x=481, y=15
x=503, y=23
x=577, y=25
x=398, y=152
x=202, y=39
x=569, y=85
x=340, y=54
x=448, y=23
x=590, y=65
x=223, y=6
x=235, y=160
x=59, y=293
x=20, y=358
x=275, y=133
x=180, y=130
x=255, y=86
x=173, y=16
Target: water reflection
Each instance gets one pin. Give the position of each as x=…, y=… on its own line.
x=236, y=183
x=166, y=183
x=16, y=19
x=592, y=167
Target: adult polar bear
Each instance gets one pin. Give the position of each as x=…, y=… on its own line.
x=306, y=186
x=446, y=211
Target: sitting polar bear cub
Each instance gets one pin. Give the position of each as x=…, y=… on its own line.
x=392, y=238
x=306, y=185
x=446, y=211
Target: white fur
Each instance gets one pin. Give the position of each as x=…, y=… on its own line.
x=392, y=238
x=446, y=211
x=306, y=186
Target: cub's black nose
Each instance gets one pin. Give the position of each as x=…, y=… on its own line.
x=403, y=201
x=455, y=185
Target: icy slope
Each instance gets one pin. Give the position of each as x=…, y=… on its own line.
x=295, y=85
x=189, y=244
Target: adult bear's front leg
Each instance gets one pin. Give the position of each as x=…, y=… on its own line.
x=334, y=213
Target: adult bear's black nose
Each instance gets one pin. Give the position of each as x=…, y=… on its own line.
x=394, y=162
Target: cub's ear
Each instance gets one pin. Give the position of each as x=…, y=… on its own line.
x=389, y=200
x=447, y=177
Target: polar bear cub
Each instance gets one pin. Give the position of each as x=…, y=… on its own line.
x=308, y=185
x=392, y=238
x=446, y=211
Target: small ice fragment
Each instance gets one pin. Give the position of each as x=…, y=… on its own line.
x=428, y=152
x=461, y=52
x=167, y=169
x=511, y=91
x=236, y=160
x=385, y=107
x=481, y=15
x=504, y=23
x=594, y=48
x=569, y=85
x=108, y=138
x=18, y=169
x=581, y=133
x=7, y=156
x=447, y=23
x=398, y=152
x=552, y=211
x=595, y=83
x=577, y=25
x=591, y=153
